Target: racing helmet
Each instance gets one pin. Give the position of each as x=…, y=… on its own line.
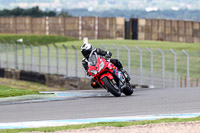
x=86, y=49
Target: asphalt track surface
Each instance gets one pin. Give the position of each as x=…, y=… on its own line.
x=101, y=104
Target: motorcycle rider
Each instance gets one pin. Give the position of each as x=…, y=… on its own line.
x=87, y=48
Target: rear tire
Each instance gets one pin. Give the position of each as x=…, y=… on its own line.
x=110, y=87
x=128, y=90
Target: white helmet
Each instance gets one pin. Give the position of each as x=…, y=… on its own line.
x=86, y=49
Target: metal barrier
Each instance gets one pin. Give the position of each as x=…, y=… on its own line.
x=66, y=49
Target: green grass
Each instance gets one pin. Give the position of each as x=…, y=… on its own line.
x=6, y=91
x=25, y=85
x=114, y=124
x=41, y=39
x=142, y=44
x=11, y=87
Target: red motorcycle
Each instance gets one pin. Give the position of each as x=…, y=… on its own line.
x=108, y=76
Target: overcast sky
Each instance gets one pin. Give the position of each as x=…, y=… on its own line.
x=91, y=5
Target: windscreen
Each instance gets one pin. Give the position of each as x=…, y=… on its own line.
x=93, y=59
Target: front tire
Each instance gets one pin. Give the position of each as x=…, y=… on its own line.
x=107, y=83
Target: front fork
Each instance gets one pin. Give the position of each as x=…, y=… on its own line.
x=121, y=79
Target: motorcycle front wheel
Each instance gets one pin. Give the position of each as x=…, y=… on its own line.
x=111, y=88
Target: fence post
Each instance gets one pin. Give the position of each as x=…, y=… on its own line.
x=170, y=79
x=129, y=62
x=104, y=46
x=117, y=48
x=7, y=50
x=48, y=59
x=163, y=67
x=152, y=76
x=179, y=80
x=39, y=56
x=23, y=56
x=31, y=46
x=7, y=57
x=57, y=56
x=76, y=60
x=15, y=57
x=188, y=67
x=175, y=67
x=66, y=59
x=141, y=69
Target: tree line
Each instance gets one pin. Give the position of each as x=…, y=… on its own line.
x=33, y=12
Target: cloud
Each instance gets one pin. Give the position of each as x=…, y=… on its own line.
x=149, y=9
x=148, y=5
x=175, y=8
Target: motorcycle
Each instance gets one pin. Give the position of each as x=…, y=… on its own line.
x=108, y=76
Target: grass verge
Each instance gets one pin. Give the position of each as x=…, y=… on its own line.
x=141, y=43
x=7, y=91
x=11, y=87
x=114, y=124
x=25, y=85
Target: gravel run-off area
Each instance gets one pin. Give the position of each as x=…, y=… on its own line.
x=182, y=127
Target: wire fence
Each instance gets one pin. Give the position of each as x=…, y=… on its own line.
x=155, y=67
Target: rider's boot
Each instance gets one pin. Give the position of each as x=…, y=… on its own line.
x=128, y=78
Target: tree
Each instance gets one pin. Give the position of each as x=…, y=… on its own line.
x=64, y=14
x=50, y=13
x=17, y=12
x=33, y=12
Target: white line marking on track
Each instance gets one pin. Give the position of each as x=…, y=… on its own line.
x=51, y=123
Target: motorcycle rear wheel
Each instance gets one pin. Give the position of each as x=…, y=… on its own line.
x=115, y=91
x=128, y=90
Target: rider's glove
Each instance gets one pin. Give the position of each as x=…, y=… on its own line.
x=107, y=57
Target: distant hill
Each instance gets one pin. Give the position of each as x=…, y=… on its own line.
x=193, y=15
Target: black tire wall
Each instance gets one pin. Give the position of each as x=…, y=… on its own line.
x=33, y=77
x=2, y=72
